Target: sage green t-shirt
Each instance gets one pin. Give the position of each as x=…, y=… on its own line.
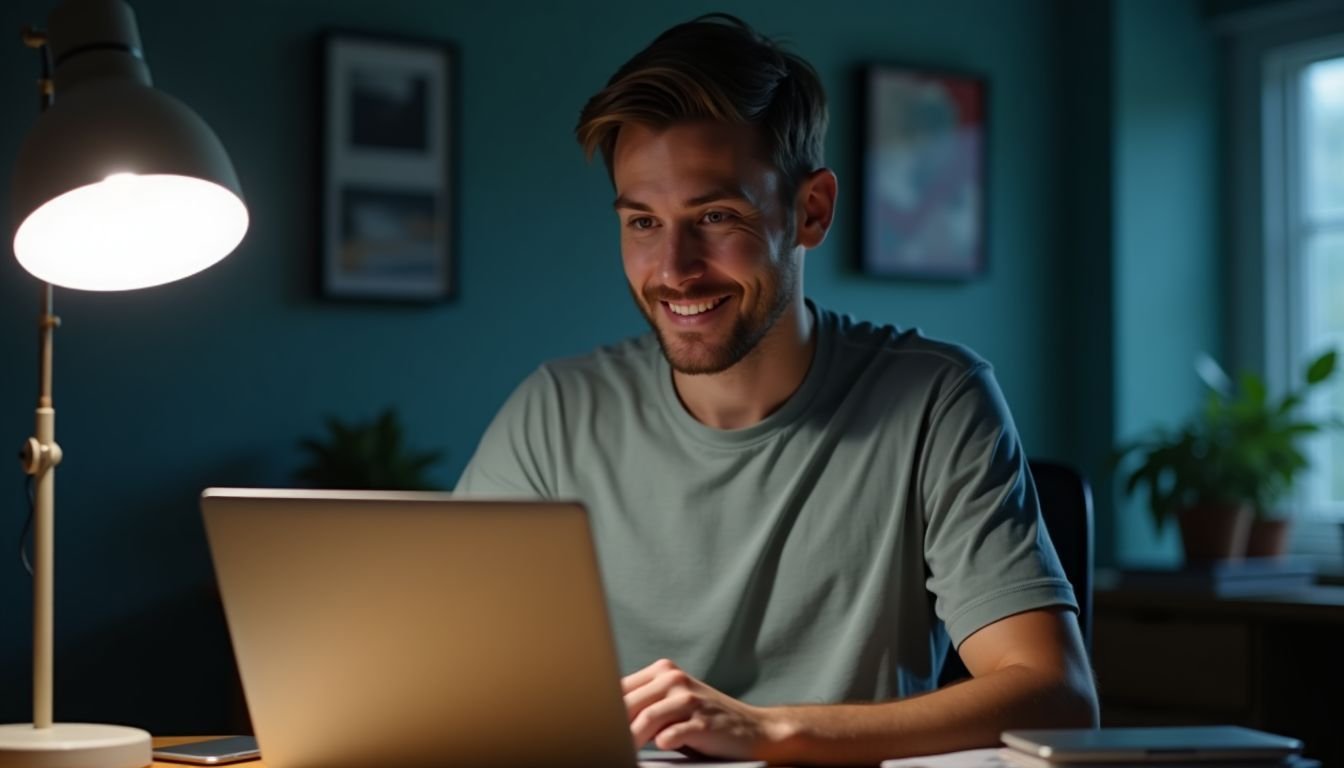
x=827, y=553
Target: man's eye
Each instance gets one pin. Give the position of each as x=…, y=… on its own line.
x=716, y=217
x=640, y=222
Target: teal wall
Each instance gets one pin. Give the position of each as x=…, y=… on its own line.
x=1086, y=257
x=1170, y=268
x=213, y=380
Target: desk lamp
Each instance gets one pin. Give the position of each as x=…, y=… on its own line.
x=117, y=186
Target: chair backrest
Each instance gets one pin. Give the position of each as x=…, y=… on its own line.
x=1066, y=508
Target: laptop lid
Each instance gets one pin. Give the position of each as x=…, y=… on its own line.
x=1151, y=745
x=413, y=629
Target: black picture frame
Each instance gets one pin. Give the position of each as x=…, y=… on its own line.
x=924, y=143
x=387, y=197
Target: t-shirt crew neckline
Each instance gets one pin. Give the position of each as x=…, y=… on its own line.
x=797, y=404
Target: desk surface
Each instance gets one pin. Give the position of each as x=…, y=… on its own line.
x=1318, y=604
x=164, y=741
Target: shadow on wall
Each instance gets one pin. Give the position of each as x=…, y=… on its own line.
x=158, y=655
x=169, y=670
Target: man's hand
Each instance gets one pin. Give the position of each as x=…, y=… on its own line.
x=675, y=711
x=1030, y=670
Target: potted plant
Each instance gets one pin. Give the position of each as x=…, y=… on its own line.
x=366, y=456
x=1231, y=464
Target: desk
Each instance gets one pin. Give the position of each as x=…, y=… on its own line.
x=164, y=741
x=1272, y=662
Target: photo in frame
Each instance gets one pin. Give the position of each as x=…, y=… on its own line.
x=923, y=168
x=386, y=172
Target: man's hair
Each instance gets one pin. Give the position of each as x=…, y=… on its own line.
x=716, y=68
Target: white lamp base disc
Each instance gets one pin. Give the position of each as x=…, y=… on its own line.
x=73, y=745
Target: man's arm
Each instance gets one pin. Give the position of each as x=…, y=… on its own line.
x=1030, y=671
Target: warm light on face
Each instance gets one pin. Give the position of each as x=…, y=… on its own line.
x=130, y=231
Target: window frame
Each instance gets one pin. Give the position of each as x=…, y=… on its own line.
x=1284, y=295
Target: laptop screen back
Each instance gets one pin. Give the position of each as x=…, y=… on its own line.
x=400, y=629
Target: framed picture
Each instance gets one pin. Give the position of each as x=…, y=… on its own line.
x=923, y=169
x=386, y=170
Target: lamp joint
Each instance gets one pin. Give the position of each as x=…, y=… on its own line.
x=34, y=37
x=37, y=457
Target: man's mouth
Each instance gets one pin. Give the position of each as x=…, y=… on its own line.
x=691, y=309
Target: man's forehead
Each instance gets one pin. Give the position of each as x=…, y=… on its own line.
x=690, y=162
x=701, y=137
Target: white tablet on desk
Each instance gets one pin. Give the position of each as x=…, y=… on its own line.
x=1185, y=744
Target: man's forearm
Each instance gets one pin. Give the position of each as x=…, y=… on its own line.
x=962, y=716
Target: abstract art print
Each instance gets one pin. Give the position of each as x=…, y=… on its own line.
x=923, y=165
x=387, y=197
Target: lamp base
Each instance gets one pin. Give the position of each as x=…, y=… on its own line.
x=73, y=745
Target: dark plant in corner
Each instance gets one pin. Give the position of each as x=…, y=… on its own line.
x=1238, y=457
x=366, y=456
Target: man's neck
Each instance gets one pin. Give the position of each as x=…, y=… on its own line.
x=758, y=384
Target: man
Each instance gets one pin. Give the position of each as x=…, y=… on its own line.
x=794, y=511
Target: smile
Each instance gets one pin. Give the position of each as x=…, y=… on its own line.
x=699, y=308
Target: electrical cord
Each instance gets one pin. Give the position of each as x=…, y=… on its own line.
x=27, y=528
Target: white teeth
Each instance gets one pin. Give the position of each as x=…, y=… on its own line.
x=689, y=310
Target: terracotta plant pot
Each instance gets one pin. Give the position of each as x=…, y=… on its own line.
x=1268, y=538
x=1215, y=531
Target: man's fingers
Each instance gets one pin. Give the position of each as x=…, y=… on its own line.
x=644, y=676
x=674, y=736
x=666, y=679
x=638, y=700
x=660, y=714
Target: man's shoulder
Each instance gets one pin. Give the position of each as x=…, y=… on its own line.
x=904, y=351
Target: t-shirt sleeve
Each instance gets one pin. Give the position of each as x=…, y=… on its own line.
x=986, y=548
x=514, y=457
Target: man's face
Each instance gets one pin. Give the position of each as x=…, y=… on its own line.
x=705, y=239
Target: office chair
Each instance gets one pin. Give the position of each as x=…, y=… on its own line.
x=1066, y=508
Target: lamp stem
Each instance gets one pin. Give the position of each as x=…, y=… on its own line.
x=40, y=457
x=37, y=39
x=43, y=467
x=47, y=324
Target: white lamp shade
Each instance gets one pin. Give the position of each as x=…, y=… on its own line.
x=121, y=186
x=130, y=231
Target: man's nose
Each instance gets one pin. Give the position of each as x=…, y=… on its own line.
x=683, y=256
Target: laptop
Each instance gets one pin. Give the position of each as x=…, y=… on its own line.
x=417, y=629
x=1177, y=744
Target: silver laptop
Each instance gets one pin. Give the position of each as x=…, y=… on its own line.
x=415, y=629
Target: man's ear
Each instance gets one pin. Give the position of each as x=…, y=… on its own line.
x=815, y=207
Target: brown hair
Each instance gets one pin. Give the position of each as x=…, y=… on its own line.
x=717, y=68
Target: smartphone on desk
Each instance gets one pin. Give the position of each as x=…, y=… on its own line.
x=228, y=749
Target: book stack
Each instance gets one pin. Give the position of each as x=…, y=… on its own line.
x=1226, y=578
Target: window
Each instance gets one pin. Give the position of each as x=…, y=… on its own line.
x=1304, y=227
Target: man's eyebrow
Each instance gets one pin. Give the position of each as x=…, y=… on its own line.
x=623, y=202
x=712, y=196
x=722, y=193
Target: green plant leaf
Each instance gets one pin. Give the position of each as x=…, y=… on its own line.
x=1238, y=447
x=1290, y=402
x=1321, y=368
x=1252, y=390
x=365, y=455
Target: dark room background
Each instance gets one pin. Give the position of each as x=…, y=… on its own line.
x=1106, y=276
